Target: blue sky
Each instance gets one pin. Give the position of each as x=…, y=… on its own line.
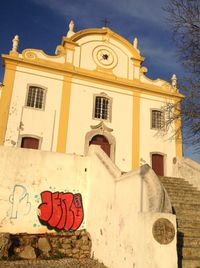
x=42, y=23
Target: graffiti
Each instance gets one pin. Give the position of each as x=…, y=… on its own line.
x=61, y=211
x=20, y=202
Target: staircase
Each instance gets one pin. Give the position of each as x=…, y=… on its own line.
x=185, y=201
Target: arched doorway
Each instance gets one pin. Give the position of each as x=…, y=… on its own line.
x=30, y=143
x=158, y=164
x=101, y=135
x=103, y=142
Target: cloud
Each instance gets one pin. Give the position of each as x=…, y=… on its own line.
x=161, y=57
x=143, y=9
x=129, y=18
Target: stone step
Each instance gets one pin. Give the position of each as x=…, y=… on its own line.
x=188, y=242
x=186, y=200
x=187, y=223
x=179, y=181
x=183, y=191
x=175, y=182
x=189, y=232
x=179, y=187
x=170, y=178
x=189, y=253
x=187, y=213
x=185, y=217
x=184, y=210
x=184, y=206
x=182, y=194
x=194, y=263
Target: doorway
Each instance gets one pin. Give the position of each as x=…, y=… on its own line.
x=103, y=142
x=158, y=164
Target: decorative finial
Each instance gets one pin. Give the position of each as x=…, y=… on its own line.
x=15, y=42
x=174, y=80
x=71, y=29
x=135, y=43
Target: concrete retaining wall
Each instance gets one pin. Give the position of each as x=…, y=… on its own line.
x=43, y=192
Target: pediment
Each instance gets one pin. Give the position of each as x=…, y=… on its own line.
x=102, y=127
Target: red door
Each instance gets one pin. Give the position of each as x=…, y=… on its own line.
x=31, y=143
x=158, y=164
x=103, y=142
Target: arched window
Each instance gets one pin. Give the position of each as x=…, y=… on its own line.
x=102, y=107
x=35, y=98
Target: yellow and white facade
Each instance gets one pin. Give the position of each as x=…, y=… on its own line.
x=89, y=63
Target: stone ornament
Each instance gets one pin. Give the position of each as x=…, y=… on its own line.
x=71, y=29
x=135, y=42
x=163, y=231
x=15, y=42
x=105, y=57
x=174, y=80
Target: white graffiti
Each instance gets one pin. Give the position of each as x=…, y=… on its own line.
x=20, y=202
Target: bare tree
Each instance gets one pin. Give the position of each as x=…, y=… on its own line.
x=184, y=20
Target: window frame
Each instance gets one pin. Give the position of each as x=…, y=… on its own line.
x=103, y=95
x=44, y=97
x=162, y=119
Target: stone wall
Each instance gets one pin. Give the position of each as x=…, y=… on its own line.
x=73, y=244
x=188, y=169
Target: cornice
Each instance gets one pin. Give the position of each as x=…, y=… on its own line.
x=65, y=69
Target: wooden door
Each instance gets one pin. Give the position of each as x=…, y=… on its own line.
x=103, y=142
x=158, y=164
x=31, y=143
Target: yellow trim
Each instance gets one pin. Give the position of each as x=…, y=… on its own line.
x=136, y=131
x=97, y=77
x=14, y=54
x=67, y=43
x=64, y=115
x=6, y=95
x=178, y=135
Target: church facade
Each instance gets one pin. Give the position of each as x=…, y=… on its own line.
x=93, y=91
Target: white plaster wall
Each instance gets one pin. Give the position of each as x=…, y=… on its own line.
x=150, y=253
x=80, y=119
x=124, y=67
x=152, y=140
x=42, y=123
x=36, y=172
x=188, y=169
x=121, y=235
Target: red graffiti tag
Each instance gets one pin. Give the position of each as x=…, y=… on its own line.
x=61, y=211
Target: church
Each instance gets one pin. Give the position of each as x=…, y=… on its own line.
x=93, y=91
x=54, y=110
